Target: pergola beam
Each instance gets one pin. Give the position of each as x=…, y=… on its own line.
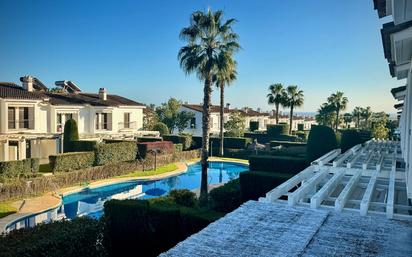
x=294, y=197
x=327, y=157
x=344, y=195
x=390, y=202
x=317, y=199
x=367, y=196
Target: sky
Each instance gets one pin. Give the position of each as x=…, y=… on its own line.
x=130, y=48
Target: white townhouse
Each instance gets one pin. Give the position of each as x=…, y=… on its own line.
x=397, y=45
x=32, y=117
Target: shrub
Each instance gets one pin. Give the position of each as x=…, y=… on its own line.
x=71, y=134
x=321, y=140
x=19, y=168
x=301, y=127
x=277, y=164
x=276, y=130
x=115, y=152
x=83, y=146
x=150, y=227
x=184, y=139
x=183, y=197
x=365, y=135
x=350, y=138
x=35, y=165
x=253, y=125
x=290, y=138
x=296, y=151
x=236, y=142
x=165, y=147
x=149, y=139
x=262, y=138
x=302, y=135
x=338, y=136
x=78, y=237
x=196, y=142
x=286, y=143
x=226, y=198
x=178, y=147
x=162, y=128
x=255, y=184
x=71, y=161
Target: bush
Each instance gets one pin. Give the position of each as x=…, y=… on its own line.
x=301, y=127
x=71, y=161
x=165, y=147
x=253, y=125
x=78, y=237
x=184, y=139
x=277, y=164
x=255, y=184
x=162, y=128
x=178, y=147
x=303, y=135
x=296, y=151
x=149, y=139
x=286, y=144
x=19, y=168
x=71, y=133
x=150, y=227
x=262, y=138
x=350, y=138
x=236, y=142
x=290, y=138
x=183, y=197
x=83, y=146
x=115, y=152
x=226, y=198
x=196, y=142
x=276, y=130
x=321, y=140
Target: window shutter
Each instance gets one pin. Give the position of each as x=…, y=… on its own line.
x=31, y=118
x=109, y=121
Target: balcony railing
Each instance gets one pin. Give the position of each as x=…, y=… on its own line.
x=127, y=125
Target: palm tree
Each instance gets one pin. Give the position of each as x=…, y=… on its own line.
x=293, y=98
x=347, y=118
x=208, y=38
x=357, y=113
x=226, y=74
x=276, y=97
x=366, y=114
x=325, y=115
x=339, y=102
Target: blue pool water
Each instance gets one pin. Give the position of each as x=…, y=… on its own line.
x=89, y=202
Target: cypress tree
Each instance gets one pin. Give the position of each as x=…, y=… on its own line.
x=71, y=133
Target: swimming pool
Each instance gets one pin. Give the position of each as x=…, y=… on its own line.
x=89, y=202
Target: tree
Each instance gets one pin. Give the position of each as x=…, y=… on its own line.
x=162, y=128
x=366, y=114
x=357, y=114
x=150, y=118
x=208, y=38
x=325, y=115
x=71, y=133
x=293, y=98
x=235, y=126
x=338, y=102
x=169, y=113
x=347, y=118
x=225, y=75
x=380, y=131
x=276, y=97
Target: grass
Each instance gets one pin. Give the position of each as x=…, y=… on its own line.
x=164, y=169
x=6, y=209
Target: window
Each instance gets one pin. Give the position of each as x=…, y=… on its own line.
x=104, y=119
x=193, y=123
x=61, y=120
x=97, y=121
x=24, y=117
x=126, y=120
x=12, y=117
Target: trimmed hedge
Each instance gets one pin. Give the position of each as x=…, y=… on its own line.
x=150, y=227
x=228, y=142
x=83, y=146
x=253, y=125
x=71, y=161
x=226, y=198
x=149, y=139
x=275, y=143
x=19, y=168
x=276, y=130
x=165, y=147
x=349, y=139
x=255, y=184
x=78, y=237
x=302, y=135
x=162, y=128
x=183, y=197
x=185, y=140
x=115, y=152
x=321, y=140
x=71, y=133
x=276, y=164
x=301, y=127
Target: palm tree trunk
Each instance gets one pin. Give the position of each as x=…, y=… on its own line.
x=222, y=106
x=207, y=90
x=277, y=113
x=337, y=120
x=290, y=120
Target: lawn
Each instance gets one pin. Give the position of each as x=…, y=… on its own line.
x=167, y=168
x=6, y=209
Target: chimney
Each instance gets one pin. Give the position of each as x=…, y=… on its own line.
x=103, y=94
x=228, y=106
x=27, y=83
x=246, y=109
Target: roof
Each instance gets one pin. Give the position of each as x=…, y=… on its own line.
x=396, y=90
x=275, y=229
x=398, y=106
x=12, y=91
x=386, y=31
x=380, y=6
x=216, y=108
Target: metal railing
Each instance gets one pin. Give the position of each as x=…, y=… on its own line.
x=127, y=125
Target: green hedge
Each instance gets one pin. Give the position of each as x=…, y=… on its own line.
x=275, y=143
x=228, y=142
x=321, y=140
x=162, y=128
x=301, y=127
x=281, y=164
x=78, y=237
x=83, y=146
x=349, y=139
x=302, y=135
x=276, y=130
x=226, y=198
x=149, y=139
x=253, y=125
x=165, y=147
x=71, y=133
x=21, y=168
x=178, y=147
x=150, y=227
x=255, y=184
x=71, y=161
x=115, y=152
x=185, y=140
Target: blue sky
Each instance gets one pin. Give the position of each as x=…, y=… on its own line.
x=130, y=47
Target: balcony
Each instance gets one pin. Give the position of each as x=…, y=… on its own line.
x=127, y=125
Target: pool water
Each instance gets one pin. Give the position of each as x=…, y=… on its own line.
x=89, y=202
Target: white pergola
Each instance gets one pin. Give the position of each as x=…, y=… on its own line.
x=366, y=179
